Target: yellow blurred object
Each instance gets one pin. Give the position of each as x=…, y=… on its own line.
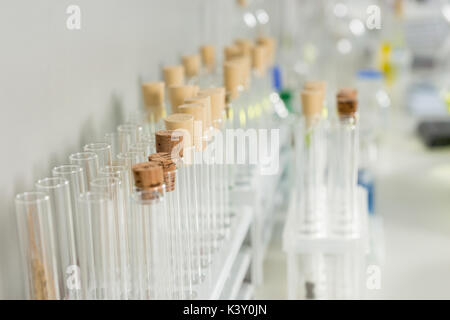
x=385, y=63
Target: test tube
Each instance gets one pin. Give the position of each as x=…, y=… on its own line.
x=89, y=162
x=311, y=145
x=98, y=254
x=112, y=138
x=38, y=245
x=128, y=159
x=343, y=167
x=129, y=133
x=153, y=93
x=151, y=254
x=103, y=152
x=58, y=190
x=112, y=187
x=120, y=172
x=77, y=185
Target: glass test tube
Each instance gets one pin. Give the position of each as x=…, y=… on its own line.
x=58, y=190
x=150, y=245
x=102, y=150
x=38, y=245
x=89, y=162
x=113, y=188
x=128, y=159
x=129, y=133
x=112, y=138
x=98, y=253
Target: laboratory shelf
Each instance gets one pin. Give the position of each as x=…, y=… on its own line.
x=224, y=260
x=237, y=275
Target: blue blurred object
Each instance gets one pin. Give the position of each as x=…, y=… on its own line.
x=365, y=180
x=370, y=74
x=277, y=81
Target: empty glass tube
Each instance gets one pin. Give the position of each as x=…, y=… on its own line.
x=128, y=159
x=129, y=133
x=102, y=150
x=113, y=188
x=112, y=139
x=58, y=190
x=38, y=245
x=89, y=162
x=98, y=253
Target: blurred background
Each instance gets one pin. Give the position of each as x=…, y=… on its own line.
x=60, y=88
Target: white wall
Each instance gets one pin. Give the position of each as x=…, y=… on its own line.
x=61, y=89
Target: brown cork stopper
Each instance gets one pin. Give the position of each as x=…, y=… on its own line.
x=312, y=102
x=242, y=3
x=167, y=140
x=208, y=53
x=232, y=73
x=245, y=46
x=173, y=75
x=169, y=168
x=177, y=94
x=259, y=59
x=347, y=93
x=270, y=45
x=347, y=107
x=191, y=65
x=217, y=96
x=231, y=52
x=316, y=85
x=183, y=123
x=153, y=93
x=147, y=175
x=205, y=100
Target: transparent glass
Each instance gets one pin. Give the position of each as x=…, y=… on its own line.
x=151, y=251
x=311, y=166
x=98, y=253
x=145, y=147
x=120, y=172
x=112, y=139
x=343, y=177
x=58, y=190
x=89, y=162
x=129, y=133
x=113, y=188
x=128, y=159
x=102, y=150
x=38, y=245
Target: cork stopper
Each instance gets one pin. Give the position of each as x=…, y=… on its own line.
x=191, y=65
x=205, y=100
x=269, y=43
x=242, y=3
x=167, y=140
x=147, y=175
x=231, y=52
x=348, y=93
x=259, y=59
x=312, y=102
x=232, y=73
x=169, y=168
x=153, y=93
x=245, y=46
x=217, y=96
x=173, y=75
x=183, y=123
x=177, y=94
x=316, y=85
x=208, y=53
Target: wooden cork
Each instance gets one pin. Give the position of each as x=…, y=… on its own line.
x=217, y=96
x=347, y=93
x=312, y=102
x=245, y=46
x=147, y=175
x=231, y=52
x=205, y=100
x=316, y=85
x=169, y=168
x=270, y=45
x=173, y=75
x=347, y=107
x=259, y=59
x=208, y=54
x=167, y=140
x=191, y=65
x=242, y=3
x=232, y=73
x=177, y=94
x=184, y=123
x=153, y=93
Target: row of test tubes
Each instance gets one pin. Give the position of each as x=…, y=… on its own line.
x=144, y=212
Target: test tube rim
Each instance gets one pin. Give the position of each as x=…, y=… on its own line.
x=60, y=183
x=105, y=146
x=67, y=169
x=39, y=197
x=85, y=155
